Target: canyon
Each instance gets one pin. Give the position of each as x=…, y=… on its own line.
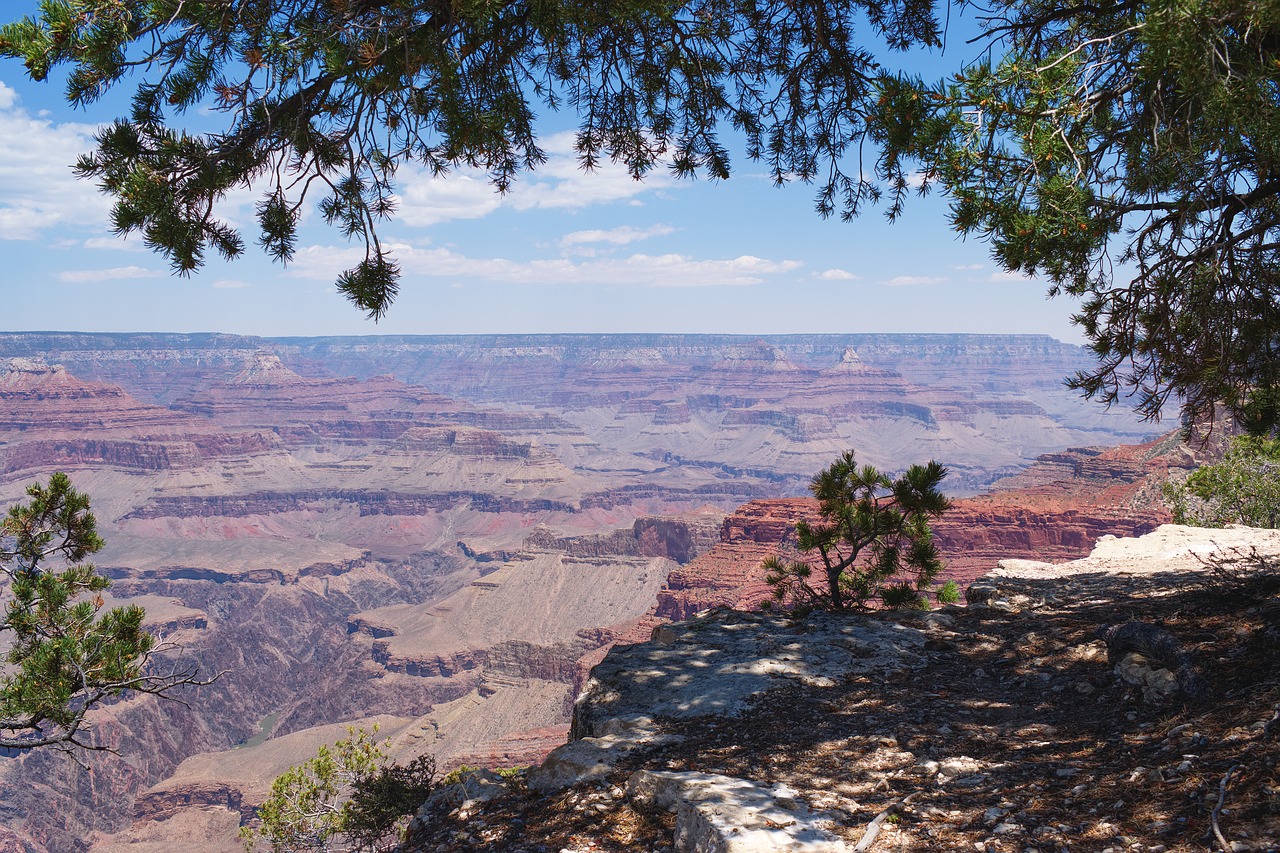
x=443, y=534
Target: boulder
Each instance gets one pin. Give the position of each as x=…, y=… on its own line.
x=721, y=814
x=586, y=760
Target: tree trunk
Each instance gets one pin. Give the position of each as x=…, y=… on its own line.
x=833, y=584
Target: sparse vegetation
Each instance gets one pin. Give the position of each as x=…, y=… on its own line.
x=1244, y=488
x=67, y=657
x=382, y=801
x=874, y=541
x=457, y=774
x=346, y=797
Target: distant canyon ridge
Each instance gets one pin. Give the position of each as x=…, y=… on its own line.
x=442, y=534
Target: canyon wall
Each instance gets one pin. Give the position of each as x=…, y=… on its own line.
x=451, y=531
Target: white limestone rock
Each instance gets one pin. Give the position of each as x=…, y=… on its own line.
x=716, y=665
x=585, y=760
x=1158, y=684
x=721, y=814
x=590, y=759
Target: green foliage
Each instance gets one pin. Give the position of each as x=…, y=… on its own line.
x=65, y=655
x=458, y=773
x=345, y=797
x=874, y=541
x=336, y=96
x=1128, y=153
x=380, y=800
x=949, y=593
x=1244, y=488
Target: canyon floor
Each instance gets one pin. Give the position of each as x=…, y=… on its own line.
x=1007, y=731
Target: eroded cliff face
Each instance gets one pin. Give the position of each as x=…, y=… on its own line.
x=782, y=404
x=1004, y=723
x=51, y=419
x=1055, y=511
x=283, y=654
x=345, y=542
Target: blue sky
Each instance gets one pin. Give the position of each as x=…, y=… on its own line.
x=565, y=251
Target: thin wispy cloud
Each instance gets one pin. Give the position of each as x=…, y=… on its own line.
x=1009, y=275
x=912, y=280
x=667, y=270
x=620, y=236
x=118, y=244
x=111, y=274
x=229, y=284
x=424, y=199
x=968, y=267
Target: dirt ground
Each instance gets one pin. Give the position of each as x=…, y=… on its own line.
x=1013, y=735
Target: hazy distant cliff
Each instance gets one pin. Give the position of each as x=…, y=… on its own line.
x=354, y=526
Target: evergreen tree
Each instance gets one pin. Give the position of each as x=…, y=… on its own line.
x=1126, y=152
x=1244, y=488
x=333, y=96
x=346, y=797
x=873, y=541
x=66, y=657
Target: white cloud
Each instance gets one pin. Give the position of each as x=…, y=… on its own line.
x=112, y=274
x=117, y=243
x=911, y=280
x=560, y=183
x=22, y=219
x=37, y=187
x=836, y=274
x=615, y=236
x=963, y=267
x=229, y=284
x=669, y=270
x=424, y=200
x=914, y=179
x=1009, y=275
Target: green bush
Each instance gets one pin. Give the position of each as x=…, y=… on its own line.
x=344, y=798
x=381, y=799
x=1244, y=488
x=873, y=541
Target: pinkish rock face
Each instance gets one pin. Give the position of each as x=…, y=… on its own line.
x=452, y=530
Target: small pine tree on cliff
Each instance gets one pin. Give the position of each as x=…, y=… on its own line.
x=65, y=654
x=874, y=541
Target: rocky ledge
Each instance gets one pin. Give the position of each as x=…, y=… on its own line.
x=998, y=726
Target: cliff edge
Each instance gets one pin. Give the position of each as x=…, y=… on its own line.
x=1000, y=725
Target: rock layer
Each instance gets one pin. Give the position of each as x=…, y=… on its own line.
x=268, y=495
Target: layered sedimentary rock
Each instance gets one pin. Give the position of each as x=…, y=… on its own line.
x=525, y=620
x=458, y=532
x=1055, y=510
x=982, y=404
x=265, y=392
x=50, y=419
x=157, y=368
